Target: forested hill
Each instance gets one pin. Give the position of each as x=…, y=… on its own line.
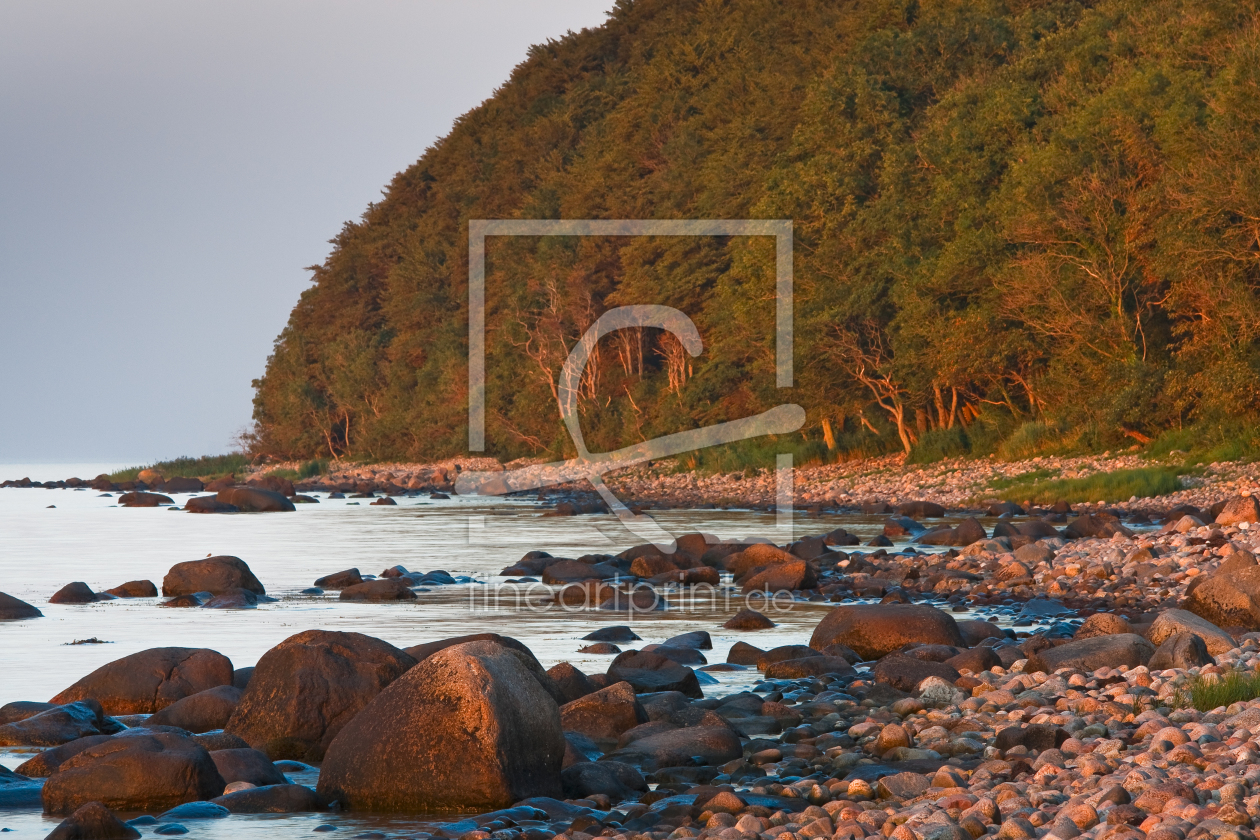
x=1020, y=226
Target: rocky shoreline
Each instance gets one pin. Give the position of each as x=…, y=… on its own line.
x=912, y=718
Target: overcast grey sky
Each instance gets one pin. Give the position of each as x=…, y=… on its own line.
x=168, y=168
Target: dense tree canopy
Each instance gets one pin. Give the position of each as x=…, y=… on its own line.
x=1009, y=215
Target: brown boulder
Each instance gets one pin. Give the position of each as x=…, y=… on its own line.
x=135, y=589
x=1093, y=653
x=150, y=772
x=138, y=498
x=808, y=666
x=245, y=764
x=604, y=715
x=747, y=619
x=340, y=580
x=648, y=672
x=59, y=725
x=200, y=712
x=382, y=589
x=210, y=574
x=149, y=681
x=73, y=593
x=1103, y=624
x=93, y=821
x=1239, y=509
x=468, y=729
x=905, y=673
x=1230, y=599
x=570, y=682
x=13, y=609
x=756, y=555
x=209, y=504
x=305, y=689
x=255, y=500
x=874, y=630
x=781, y=577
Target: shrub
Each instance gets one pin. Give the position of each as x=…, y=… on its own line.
x=940, y=444
x=207, y=466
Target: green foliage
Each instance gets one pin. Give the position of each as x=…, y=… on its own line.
x=313, y=468
x=205, y=467
x=939, y=444
x=1115, y=486
x=1032, y=220
x=1024, y=479
x=750, y=456
x=1206, y=692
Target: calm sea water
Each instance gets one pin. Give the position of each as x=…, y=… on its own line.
x=49, y=538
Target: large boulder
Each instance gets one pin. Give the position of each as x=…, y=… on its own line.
x=209, y=504
x=422, y=652
x=340, y=580
x=305, y=689
x=134, y=589
x=211, y=574
x=149, y=681
x=808, y=666
x=93, y=821
x=255, y=500
x=182, y=484
x=1093, y=653
x=920, y=510
x=18, y=791
x=59, y=725
x=604, y=715
x=1239, y=509
x=200, y=712
x=875, y=630
x=1228, y=598
x=648, y=672
x=570, y=682
x=149, y=772
x=780, y=577
x=13, y=609
x=468, y=729
x=244, y=764
x=1171, y=622
x=754, y=556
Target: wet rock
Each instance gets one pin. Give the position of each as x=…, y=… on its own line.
x=1173, y=622
x=975, y=660
x=905, y=673
x=1181, y=650
x=13, y=609
x=255, y=500
x=974, y=631
x=272, y=799
x=683, y=656
x=571, y=682
x=17, y=791
x=424, y=651
x=209, y=504
x=340, y=580
x=920, y=510
x=149, y=681
x=200, y=712
x=135, y=589
x=600, y=648
x=212, y=574
x=1093, y=653
x=696, y=640
x=150, y=772
x=236, y=599
x=902, y=786
x=604, y=715
x=241, y=677
x=679, y=747
x=874, y=630
x=74, y=593
x=93, y=821
x=384, y=589
x=195, y=811
x=138, y=498
x=44, y=763
x=900, y=526
x=59, y=725
x=573, y=571
x=305, y=689
x=809, y=666
x=747, y=619
x=649, y=672
x=742, y=653
x=614, y=779
x=22, y=709
x=470, y=728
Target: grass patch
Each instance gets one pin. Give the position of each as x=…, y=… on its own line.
x=1207, y=443
x=313, y=468
x=749, y=456
x=207, y=466
x=1030, y=477
x=1116, y=486
x=1206, y=692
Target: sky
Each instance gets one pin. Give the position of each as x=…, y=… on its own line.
x=169, y=169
